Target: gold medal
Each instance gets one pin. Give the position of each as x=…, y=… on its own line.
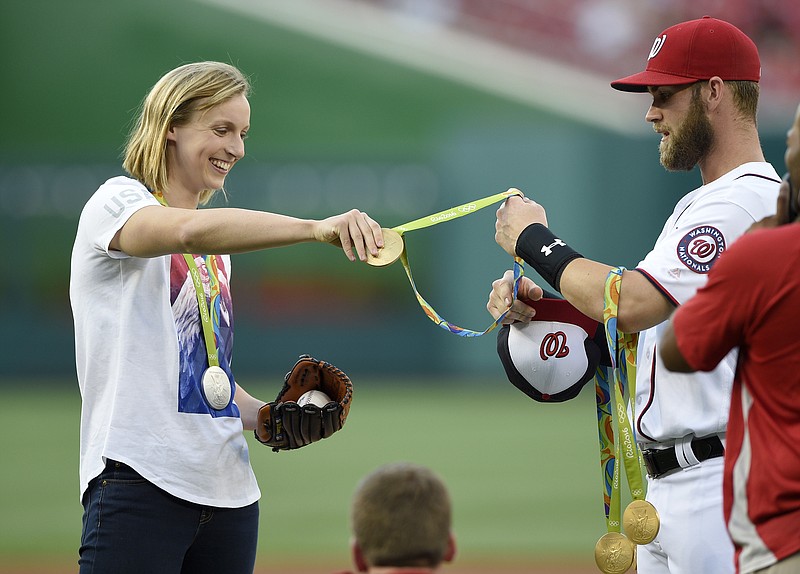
x=641, y=522
x=391, y=250
x=613, y=553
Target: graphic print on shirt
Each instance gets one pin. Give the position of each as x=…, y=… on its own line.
x=699, y=248
x=193, y=358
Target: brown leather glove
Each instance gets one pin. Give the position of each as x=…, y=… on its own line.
x=285, y=425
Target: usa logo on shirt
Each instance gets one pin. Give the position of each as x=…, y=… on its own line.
x=700, y=248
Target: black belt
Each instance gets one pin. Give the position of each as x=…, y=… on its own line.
x=661, y=461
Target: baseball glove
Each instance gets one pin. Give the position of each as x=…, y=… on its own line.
x=285, y=425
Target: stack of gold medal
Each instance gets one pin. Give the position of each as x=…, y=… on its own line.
x=615, y=552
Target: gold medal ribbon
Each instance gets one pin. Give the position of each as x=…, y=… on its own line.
x=615, y=389
x=640, y=520
x=209, y=310
x=441, y=217
x=622, y=349
x=612, y=388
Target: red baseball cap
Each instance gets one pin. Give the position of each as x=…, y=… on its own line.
x=696, y=50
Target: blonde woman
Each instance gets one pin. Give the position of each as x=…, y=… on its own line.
x=165, y=476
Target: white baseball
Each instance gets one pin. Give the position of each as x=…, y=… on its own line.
x=314, y=397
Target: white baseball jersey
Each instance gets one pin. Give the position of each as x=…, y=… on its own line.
x=704, y=223
x=140, y=357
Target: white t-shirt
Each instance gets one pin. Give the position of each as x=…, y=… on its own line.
x=704, y=223
x=140, y=355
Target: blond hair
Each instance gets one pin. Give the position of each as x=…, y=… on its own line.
x=401, y=517
x=745, y=98
x=171, y=102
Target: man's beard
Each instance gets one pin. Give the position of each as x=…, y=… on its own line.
x=691, y=142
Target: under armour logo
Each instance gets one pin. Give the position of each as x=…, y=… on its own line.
x=657, y=45
x=548, y=249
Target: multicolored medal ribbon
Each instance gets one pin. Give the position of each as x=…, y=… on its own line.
x=394, y=248
x=217, y=388
x=615, y=552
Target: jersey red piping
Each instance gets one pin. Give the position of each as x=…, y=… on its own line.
x=649, y=400
x=658, y=286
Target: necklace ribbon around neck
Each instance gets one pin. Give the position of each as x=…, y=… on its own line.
x=215, y=381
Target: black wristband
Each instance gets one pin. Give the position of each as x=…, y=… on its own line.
x=545, y=252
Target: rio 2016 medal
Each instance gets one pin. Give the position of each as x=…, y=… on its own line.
x=391, y=250
x=216, y=388
x=641, y=521
x=614, y=553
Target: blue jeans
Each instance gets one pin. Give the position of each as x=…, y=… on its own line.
x=132, y=526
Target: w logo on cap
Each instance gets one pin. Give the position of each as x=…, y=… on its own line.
x=657, y=45
x=554, y=345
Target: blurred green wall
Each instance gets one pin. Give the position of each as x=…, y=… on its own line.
x=332, y=129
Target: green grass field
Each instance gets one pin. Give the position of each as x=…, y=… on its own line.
x=524, y=477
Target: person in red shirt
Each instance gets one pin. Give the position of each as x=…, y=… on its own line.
x=401, y=521
x=752, y=302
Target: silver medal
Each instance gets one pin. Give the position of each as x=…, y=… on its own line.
x=216, y=388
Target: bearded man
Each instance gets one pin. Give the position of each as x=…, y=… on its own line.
x=703, y=78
